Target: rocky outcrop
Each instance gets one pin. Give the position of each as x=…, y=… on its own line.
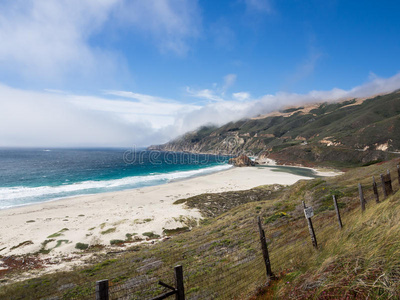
x=242, y=161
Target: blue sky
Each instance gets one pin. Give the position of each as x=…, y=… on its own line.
x=161, y=67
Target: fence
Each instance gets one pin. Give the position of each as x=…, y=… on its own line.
x=210, y=266
x=218, y=264
x=223, y=281
x=387, y=190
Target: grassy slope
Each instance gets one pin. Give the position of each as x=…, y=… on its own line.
x=360, y=261
x=221, y=258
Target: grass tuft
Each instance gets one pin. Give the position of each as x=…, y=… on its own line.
x=109, y=230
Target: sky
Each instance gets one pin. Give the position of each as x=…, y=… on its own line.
x=126, y=73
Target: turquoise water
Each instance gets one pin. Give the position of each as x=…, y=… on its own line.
x=36, y=175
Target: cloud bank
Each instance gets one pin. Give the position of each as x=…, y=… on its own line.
x=225, y=111
x=56, y=119
x=127, y=119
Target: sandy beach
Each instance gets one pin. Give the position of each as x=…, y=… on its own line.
x=100, y=218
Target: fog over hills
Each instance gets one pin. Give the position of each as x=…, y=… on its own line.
x=347, y=132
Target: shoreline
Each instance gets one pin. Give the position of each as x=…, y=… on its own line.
x=201, y=172
x=54, y=228
x=106, y=192
x=270, y=164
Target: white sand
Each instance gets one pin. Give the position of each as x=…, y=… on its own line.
x=132, y=211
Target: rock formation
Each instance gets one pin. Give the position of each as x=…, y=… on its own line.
x=242, y=161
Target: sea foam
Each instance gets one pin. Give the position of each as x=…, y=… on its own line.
x=22, y=195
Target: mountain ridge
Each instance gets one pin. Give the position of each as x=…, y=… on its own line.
x=347, y=133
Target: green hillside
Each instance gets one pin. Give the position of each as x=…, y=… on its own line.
x=222, y=258
x=346, y=134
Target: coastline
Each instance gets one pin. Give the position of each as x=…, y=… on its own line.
x=196, y=173
x=123, y=210
x=99, y=218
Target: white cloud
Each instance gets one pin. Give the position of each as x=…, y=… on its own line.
x=51, y=40
x=376, y=86
x=42, y=119
x=65, y=120
x=204, y=94
x=139, y=97
x=229, y=81
x=241, y=96
x=216, y=94
x=171, y=23
x=46, y=119
x=226, y=111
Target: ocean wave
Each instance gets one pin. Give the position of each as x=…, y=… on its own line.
x=8, y=194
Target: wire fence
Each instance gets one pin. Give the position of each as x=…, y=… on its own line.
x=215, y=266
x=210, y=267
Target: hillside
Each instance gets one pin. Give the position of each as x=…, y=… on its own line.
x=222, y=257
x=347, y=133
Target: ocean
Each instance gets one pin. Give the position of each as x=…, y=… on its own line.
x=30, y=176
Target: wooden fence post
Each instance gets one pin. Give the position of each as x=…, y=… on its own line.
x=375, y=188
x=102, y=289
x=264, y=248
x=398, y=173
x=383, y=186
x=180, y=289
x=310, y=228
x=362, y=199
x=337, y=212
x=388, y=183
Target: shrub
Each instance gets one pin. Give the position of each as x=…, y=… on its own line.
x=81, y=246
x=151, y=235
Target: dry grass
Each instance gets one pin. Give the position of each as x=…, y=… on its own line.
x=361, y=261
x=222, y=257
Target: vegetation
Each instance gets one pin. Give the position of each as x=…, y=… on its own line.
x=222, y=257
x=355, y=133
x=60, y=242
x=129, y=236
x=109, y=230
x=142, y=221
x=151, y=235
x=275, y=217
x=117, y=242
x=22, y=244
x=43, y=247
x=212, y=205
x=169, y=232
x=81, y=246
x=57, y=234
